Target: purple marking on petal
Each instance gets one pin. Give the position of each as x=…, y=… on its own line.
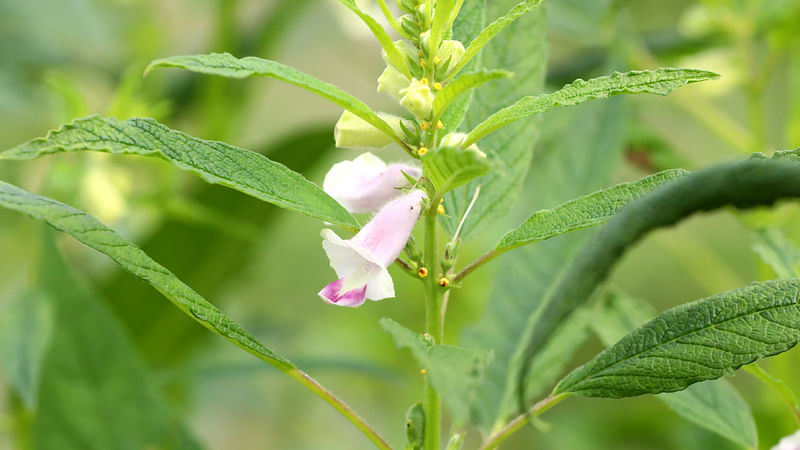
x=332, y=294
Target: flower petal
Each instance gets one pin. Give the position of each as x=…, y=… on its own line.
x=332, y=293
x=380, y=286
x=387, y=233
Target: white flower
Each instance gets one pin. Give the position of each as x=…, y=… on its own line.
x=789, y=442
x=354, y=132
x=418, y=98
x=367, y=183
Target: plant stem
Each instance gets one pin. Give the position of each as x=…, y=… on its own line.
x=434, y=324
x=543, y=405
x=477, y=263
x=314, y=386
x=777, y=385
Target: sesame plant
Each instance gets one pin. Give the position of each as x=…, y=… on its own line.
x=467, y=150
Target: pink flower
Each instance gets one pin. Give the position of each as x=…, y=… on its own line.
x=361, y=262
x=367, y=183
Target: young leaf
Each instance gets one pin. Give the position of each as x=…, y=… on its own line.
x=450, y=167
x=522, y=49
x=659, y=81
x=441, y=17
x=454, y=371
x=227, y=65
x=713, y=405
x=461, y=85
x=491, y=31
x=699, y=341
x=216, y=162
x=745, y=184
x=96, y=235
x=778, y=251
x=377, y=30
x=583, y=212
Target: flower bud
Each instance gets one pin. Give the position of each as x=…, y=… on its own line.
x=406, y=49
x=451, y=51
x=407, y=5
x=391, y=82
x=456, y=139
x=353, y=132
x=417, y=98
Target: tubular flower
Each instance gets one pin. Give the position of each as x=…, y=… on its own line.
x=361, y=262
x=789, y=442
x=417, y=98
x=367, y=183
x=354, y=132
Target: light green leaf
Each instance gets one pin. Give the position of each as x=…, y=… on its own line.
x=94, y=234
x=96, y=392
x=522, y=49
x=415, y=426
x=659, y=81
x=585, y=142
x=450, y=167
x=583, y=212
x=491, y=31
x=377, y=30
x=778, y=251
x=441, y=17
x=698, y=341
x=714, y=405
x=26, y=325
x=227, y=65
x=216, y=162
x=454, y=371
x=461, y=85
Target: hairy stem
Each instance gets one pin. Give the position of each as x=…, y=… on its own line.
x=434, y=325
x=340, y=406
x=543, y=405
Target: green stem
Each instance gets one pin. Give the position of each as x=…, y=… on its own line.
x=314, y=386
x=777, y=385
x=434, y=325
x=494, y=440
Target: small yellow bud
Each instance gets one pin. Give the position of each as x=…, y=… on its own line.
x=440, y=209
x=424, y=81
x=422, y=62
x=439, y=125
x=437, y=60
x=423, y=371
x=422, y=272
x=424, y=126
x=422, y=151
x=437, y=86
x=444, y=282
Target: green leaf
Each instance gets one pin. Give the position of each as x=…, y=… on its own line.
x=441, y=17
x=377, y=30
x=778, y=251
x=585, y=142
x=415, y=426
x=94, y=234
x=461, y=85
x=659, y=81
x=491, y=31
x=227, y=65
x=522, y=49
x=699, y=341
x=450, y=167
x=454, y=371
x=713, y=405
x=216, y=162
x=583, y=212
x=26, y=325
x=96, y=392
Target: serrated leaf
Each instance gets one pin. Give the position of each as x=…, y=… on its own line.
x=26, y=325
x=454, y=371
x=660, y=81
x=96, y=392
x=699, y=341
x=491, y=31
x=522, y=49
x=450, y=167
x=714, y=405
x=94, y=234
x=583, y=212
x=216, y=162
x=461, y=85
x=778, y=251
x=227, y=65
x=380, y=34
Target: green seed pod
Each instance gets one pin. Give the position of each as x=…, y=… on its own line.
x=418, y=98
x=407, y=5
x=415, y=426
x=353, y=132
x=391, y=82
x=409, y=24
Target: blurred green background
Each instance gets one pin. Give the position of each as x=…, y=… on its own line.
x=63, y=59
